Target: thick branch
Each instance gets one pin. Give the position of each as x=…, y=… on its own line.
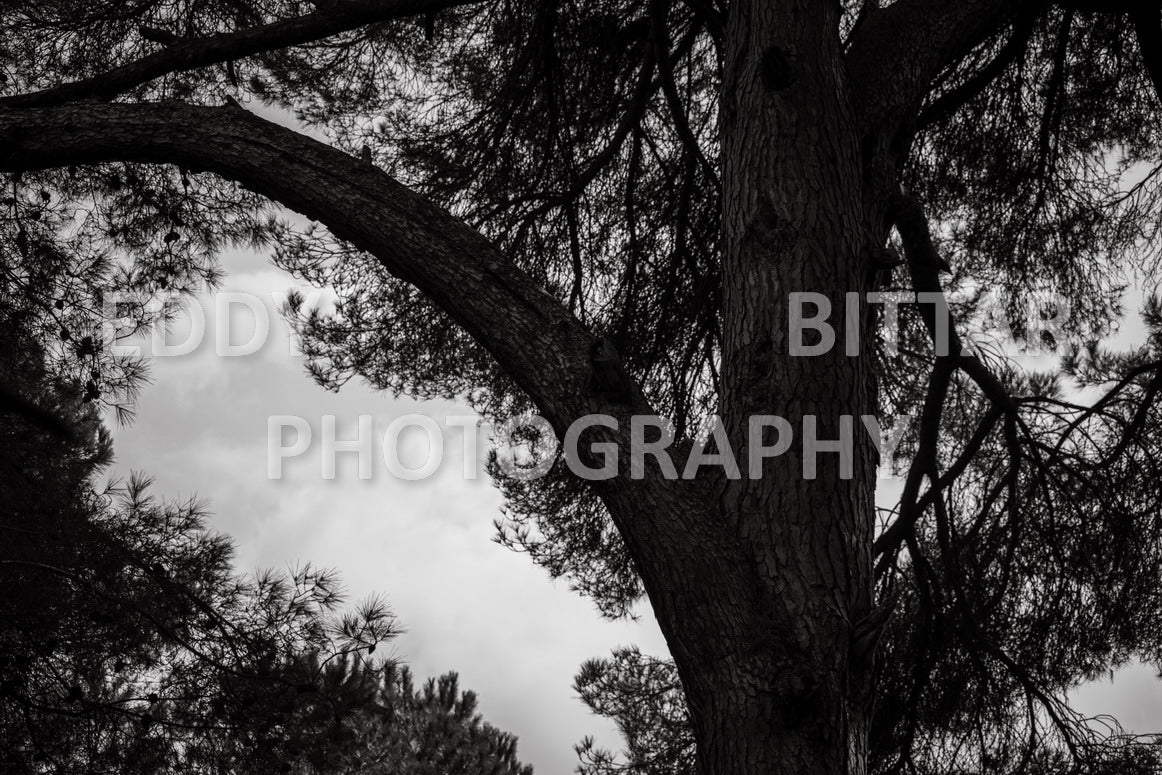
x=900, y=49
x=201, y=52
x=688, y=563
x=924, y=264
x=923, y=463
x=535, y=339
x=944, y=106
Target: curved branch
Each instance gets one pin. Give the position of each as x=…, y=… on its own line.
x=898, y=50
x=924, y=265
x=200, y=52
x=944, y=106
x=541, y=346
x=536, y=339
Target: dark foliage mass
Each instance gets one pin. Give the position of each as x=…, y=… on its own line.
x=1023, y=558
x=128, y=641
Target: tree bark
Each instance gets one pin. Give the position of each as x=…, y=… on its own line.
x=793, y=221
x=693, y=570
x=756, y=584
x=753, y=585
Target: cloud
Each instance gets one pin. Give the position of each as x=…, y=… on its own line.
x=515, y=636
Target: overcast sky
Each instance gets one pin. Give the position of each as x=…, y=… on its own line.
x=515, y=636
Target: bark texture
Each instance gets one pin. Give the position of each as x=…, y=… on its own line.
x=793, y=222
x=758, y=584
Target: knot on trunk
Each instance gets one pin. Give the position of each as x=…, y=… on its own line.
x=777, y=69
x=801, y=697
x=769, y=234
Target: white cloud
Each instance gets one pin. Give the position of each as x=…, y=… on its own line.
x=516, y=637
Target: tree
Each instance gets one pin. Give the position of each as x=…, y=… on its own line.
x=128, y=643
x=434, y=730
x=611, y=206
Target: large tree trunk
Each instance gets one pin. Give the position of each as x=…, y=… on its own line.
x=756, y=584
x=793, y=221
